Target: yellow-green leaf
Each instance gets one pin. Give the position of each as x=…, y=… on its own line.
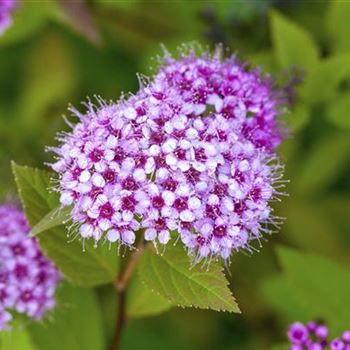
x=338, y=111
x=171, y=275
x=293, y=45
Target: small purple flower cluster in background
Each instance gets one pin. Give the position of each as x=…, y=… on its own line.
x=6, y=8
x=28, y=280
x=314, y=336
x=193, y=151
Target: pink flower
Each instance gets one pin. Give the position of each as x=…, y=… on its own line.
x=28, y=280
x=193, y=152
x=313, y=336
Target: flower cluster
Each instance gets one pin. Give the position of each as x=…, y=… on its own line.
x=193, y=152
x=6, y=8
x=314, y=336
x=27, y=278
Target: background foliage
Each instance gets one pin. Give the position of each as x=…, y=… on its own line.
x=60, y=52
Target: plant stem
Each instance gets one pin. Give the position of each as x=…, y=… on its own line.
x=121, y=318
x=121, y=284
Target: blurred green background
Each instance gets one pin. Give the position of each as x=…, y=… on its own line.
x=60, y=52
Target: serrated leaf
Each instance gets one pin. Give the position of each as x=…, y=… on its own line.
x=142, y=302
x=323, y=80
x=172, y=277
x=293, y=45
x=33, y=189
x=16, y=339
x=75, y=323
x=55, y=217
x=338, y=111
x=321, y=286
x=89, y=267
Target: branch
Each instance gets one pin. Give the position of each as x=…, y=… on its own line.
x=123, y=280
x=120, y=320
x=121, y=284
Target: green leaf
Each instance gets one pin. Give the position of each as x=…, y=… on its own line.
x=265, y=60
x=322, y=82
x=298, y=117
x=276, y=292
x=55, y=217
x=320, y=285
x=75, y=323
x=33, y=189
x=107, y=298
x=310, y=226
x=141, y=301
x=16, y=339
x=293, y=45
x=324, y=163
x=338, y=24
x=90, y=267
x=338, y=111
x=171, y=275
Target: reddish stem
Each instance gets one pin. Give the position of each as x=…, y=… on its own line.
x=121, y=284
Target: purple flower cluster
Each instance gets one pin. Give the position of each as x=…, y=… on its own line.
x=193, y=152
x=6, y=8
x=314, y=336
x=27, y=278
